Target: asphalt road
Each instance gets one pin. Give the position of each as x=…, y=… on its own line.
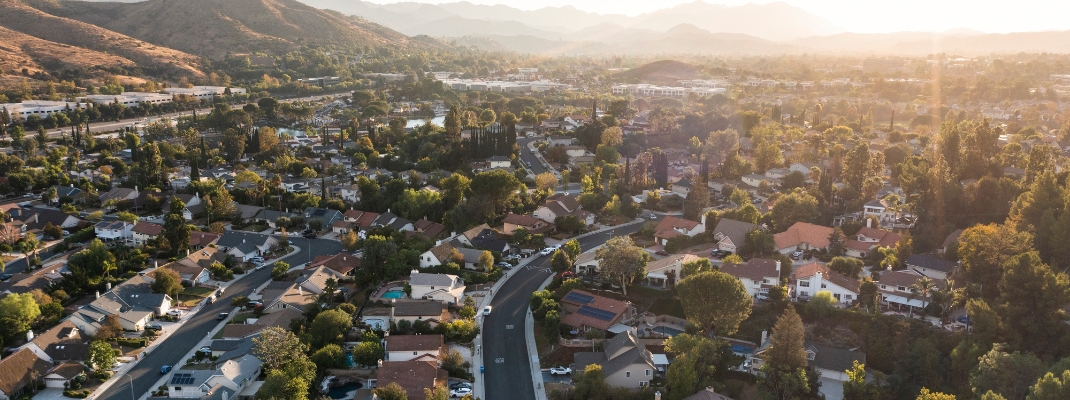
x=508, y=371
x=170, y=352
x=529, y=157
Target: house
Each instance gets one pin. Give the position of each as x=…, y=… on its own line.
x=232, y=375
x=867, y=240
x=316, y=280
x=414, y=347
x=199, y=240
x=758, y=275
x=61, y=376
x=194, y=268
x=350, y=193
x=667, y=271
x=560, y=205
x=707, y=394
x=246, y=212
x=442, y=287
x=756, y=180
x=63, y=342
x=585, y=311
x=65, y=191
x=230, y=349
x=532, y=224
x=343, y=263
x=682, y=187
x=246, y=245
x=802, y=236
x=270, y=216
x=34, y=220
x=625, y=362
x=814, y=277
x=499, y=162
x=413, y=376
x=587, y=262
x=933, y=267
x=670, y=227
x=881, y=210
x=451, y=252
x=20, y=370
x=113, y=230
x=895, y=289
x=324, y=215
x=289, y=295
x=145, y=231
x=118, y=195
x=952, y=239
x=431, y=311
x=482, y=237
x=132, y=302
x=429, y=229
x=831, y=363
x=730, y=234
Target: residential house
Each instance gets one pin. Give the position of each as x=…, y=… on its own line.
x=62, y=343
x=413, y=376
x=758, y=275
x=61, y=376
x=667, y=271
x=247, y=212
x=730, y=234
x=414, y=347
x=881, y=210
x=867, y=240
x=432, y=311
x=499, y=162
x=246, y=245
x=625, y=361
x=483, y=237
x=560, y=205
x=286, y=296
x=682, y=187
x=429, y=229
x=342, y=263
x=814, y=277
x=707, y=394
x=585, y=311
x=113, y=230
x=895, y=289
x=33, y=220
x=802, y=236
x=118, y=195
x=132, y=302
x=444, y=253
x=270, y=216
x=670, y=227
x=199, y=240
x=315, y=281
x=194, y=268
x=143, y=232
x=587, y=263
x=952, y=239
x=532, y=224
x=20, y=371
x=442, y=287
x=350, y=193
x=65, y=191
x=324, y=215
x=230, y=349
x=831, y=363
x=930, y=266
x=232, y=375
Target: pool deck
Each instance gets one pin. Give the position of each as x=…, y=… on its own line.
x=386, y=288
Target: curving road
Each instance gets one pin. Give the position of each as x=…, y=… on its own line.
x=508, y=370
x=171, y=350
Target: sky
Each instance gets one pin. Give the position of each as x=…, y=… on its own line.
x=864, y=16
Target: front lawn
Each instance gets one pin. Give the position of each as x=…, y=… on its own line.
x=198, y=291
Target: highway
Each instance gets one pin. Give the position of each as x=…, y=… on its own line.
x=171, y=350
x=508, y=371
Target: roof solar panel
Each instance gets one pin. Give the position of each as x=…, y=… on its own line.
x=182, y=379
x=579, y=298
x=596, y=313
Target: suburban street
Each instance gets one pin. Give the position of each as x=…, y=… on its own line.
x=508, y=370
x=529, y=157
x=171, y=350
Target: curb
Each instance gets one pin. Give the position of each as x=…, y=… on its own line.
x=533, y=349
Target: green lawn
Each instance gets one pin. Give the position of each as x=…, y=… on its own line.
x=260, y=227
x=199, y=291
x=189, y=301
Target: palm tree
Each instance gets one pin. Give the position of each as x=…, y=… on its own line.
x=923, y=287
x=329, y=287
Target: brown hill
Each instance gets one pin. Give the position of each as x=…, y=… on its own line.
x=82, y=39
x=214, y=28
x=19, y=50
x=664, y=71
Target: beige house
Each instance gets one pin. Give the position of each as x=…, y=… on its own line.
x=625, y=362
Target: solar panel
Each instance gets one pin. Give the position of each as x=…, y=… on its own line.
x=182, y=379
x=596, y=313
x=579, y=298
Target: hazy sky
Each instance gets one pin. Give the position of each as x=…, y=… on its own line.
x=870, y=16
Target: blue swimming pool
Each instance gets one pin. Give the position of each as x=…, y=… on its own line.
x=344, y=391
x=741, y=349
x=664, y=330
x=394, y=294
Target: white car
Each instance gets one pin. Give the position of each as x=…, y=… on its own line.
x=460, y=392
x=205, y=349
x=546, y=251
x=175, y=313
x=560, y=371
x=486, y=310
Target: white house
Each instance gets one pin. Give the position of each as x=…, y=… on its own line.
x=625, y=361
x=587, y=262
x=667, y=271
x=145, y=231
x=113, y=230
x=811, y=278
x=559, y=205
x=758, y=275
x=245, y=245
x=414, y=347
x=499, y=162
x=232, y=375
x=441, y=287
x=670, y=227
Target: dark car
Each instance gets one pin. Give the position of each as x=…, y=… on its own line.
x=661, y=253
x=309, y=235
x=222, y=316
x=5, y=277
x=154, y=327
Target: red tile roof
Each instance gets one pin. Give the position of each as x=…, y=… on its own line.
x=755, y=269
x=816, y=235
x=413, y=376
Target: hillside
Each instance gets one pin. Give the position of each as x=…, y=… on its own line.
x=19, y=51
x=39, y=36
x=664, y=71
x=214, y=28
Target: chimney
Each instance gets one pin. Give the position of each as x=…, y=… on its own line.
x=107, y=287
x=300, y=290
x=36, y=218
x=657, y=395
x=157, y=263
x=708, y=389
x=29, y=335
x=98, y=294
x=869, y=223
x=72, y=185
x=380, y=363
x=765, y=335
x=778, y=266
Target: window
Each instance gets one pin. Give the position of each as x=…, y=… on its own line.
x=627, y=374
x=642, y=384
x=648, y=372
x=804, y=283
x=414, y=353
x=178, y=388
x=823, y=286
x=847, y=297
x=902, y=288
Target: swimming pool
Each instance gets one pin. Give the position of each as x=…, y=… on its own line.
x=344, y=391
x=394, y=294
x=741, y=349
x=665, y=330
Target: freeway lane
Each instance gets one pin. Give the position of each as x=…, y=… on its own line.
x=170, y=352
x=508, y=371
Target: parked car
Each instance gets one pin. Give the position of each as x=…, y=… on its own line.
x=661, y=253
x=175, y=313
x=222, y=316
x=459, y=385
x=460, y=392
x=253, y=304
x=205, y=350
x=165, y=369
x=486, y=310
x=652, y=216
x=259, y=266
x=257, y=259
x=154, y=327
x=505, y=265
x=560, y=371
x=795, y=255
x=5, y=277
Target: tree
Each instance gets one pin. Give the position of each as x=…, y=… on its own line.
x=569, y=223
x=278, y=385
x=350, y=241
x=279, y=269
x=985, y=248
x=175, y=230
x=17, y=312
x=560, y=261
x=377, y=250
x=714, y=301
x=572, y=248
x=929, y=395
x=440, y=392
x=1032, y=298
x=330, y=356
x=1007, y=374
x=622, y=261
x=590, y=384
x=486, y=261
x=848, y=266
x=276, y=347
x=393, y=391
x=856, y=387
x=53, y=231
x=100, y=356
x=233, y=145
x=545, y=181
x=697, y=266
x=368, y=353
x=785, y=373
x=1051, y=387
x=697, y=200
x=167, y=281
x=330, y=327
x=797, y=206
x=821, y=304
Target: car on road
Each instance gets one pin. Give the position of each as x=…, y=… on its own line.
x=165, y=369
x=652, y=216
x=222, y=316
x=505, y=265
x=486, y=310
x=459, y=385
x=560, y=371
x=460, y=392
x=546, y=251
x=5, y=277
x=259, y=266
x=253, y=304
x=205, y=350
x=661, y=253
